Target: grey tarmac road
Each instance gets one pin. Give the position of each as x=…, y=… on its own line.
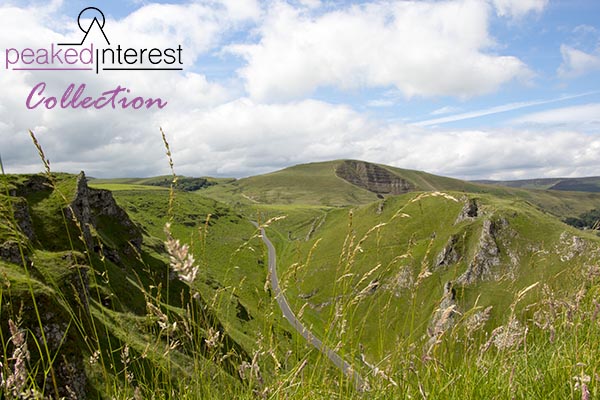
x=291, y=317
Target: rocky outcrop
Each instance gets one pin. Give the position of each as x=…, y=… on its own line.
x=34, y=183
x=16, y=236
x=469, y=211
x=92, y=207
x=380, y=207
x=570, y=246
x=449, y=254
x=372, y=177
x=23, y=218
x=9, y=251
x=487, y=256
x=62, y=339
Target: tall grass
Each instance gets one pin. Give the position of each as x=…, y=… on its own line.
x=178, y=348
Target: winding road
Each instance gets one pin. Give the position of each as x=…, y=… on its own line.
x=291, y=317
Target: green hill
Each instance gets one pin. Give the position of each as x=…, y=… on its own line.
x=349, y=182
x=94, y=275
x=587, y=184
x=427, y=286
x=332, y=183
x=373, y=262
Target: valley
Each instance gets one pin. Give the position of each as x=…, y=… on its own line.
x=395, y=281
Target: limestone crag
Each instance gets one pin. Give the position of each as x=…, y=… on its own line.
x=19, y=229
x=9, y=251
x=34, y=183
x=92, y=206
x=23, y=218
x=487, y=256
x=469, y=211
x=449, y=254
x=372, y=177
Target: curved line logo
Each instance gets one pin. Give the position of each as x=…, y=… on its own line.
x=84, y=56
x=95, y=22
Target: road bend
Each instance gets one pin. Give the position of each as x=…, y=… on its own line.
x=291, y=317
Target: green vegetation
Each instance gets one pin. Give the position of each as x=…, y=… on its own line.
x=587, y=220
x=589, y=184
x=448, y=290
x=187, y=184
x=307, y=184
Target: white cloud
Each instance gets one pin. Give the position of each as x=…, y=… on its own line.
x=106, y=141
x=242, y=10
x=421, y=48
x=582, y=117
x=577, y=62
x=246, y=138
x=445, y=110
x=497, y=109
x=381, y=103
x=311, y=3
x=213, y=132
x=498, y=154
x=518, y=8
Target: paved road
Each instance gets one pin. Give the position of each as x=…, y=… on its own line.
x=291, y=317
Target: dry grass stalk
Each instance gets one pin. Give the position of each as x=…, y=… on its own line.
x=174, y=181
x=17, y=378
x=181, y=259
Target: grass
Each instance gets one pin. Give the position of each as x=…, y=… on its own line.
x=361, y=272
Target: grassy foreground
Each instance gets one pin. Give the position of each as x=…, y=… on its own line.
x=172, y=298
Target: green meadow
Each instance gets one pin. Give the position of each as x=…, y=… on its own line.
x=427, y=286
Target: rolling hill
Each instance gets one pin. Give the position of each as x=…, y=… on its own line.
x=587, y=184
x=421, y=283
x=349, y=182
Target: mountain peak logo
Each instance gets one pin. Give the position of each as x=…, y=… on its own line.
x=86, y=56
x=95, y=22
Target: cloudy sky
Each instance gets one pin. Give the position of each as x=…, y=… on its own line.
x=466, y=88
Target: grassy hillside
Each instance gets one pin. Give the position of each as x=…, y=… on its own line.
x=317, y=184
x=370, y=281
x=587, y=184
x=313, y=184
x=428, y=286
x=99, y=284
x=320, y=184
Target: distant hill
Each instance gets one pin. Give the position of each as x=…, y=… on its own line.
x=588, y=184
x=187, y=184
x=350, y=182
x=342, y=183
x=333, y=183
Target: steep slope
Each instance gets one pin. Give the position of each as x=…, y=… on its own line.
x=89, y=282
x=389, y=267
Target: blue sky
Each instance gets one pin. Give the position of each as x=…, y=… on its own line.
x=467, y=88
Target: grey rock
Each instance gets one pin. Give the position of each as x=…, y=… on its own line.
x=9, y=251
x=444, y=318
x=90, y=205
x=35, y=183
x=487, y=255
x=23, y=218
x=449, y=254
x=469, y=211
x=372, y=177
